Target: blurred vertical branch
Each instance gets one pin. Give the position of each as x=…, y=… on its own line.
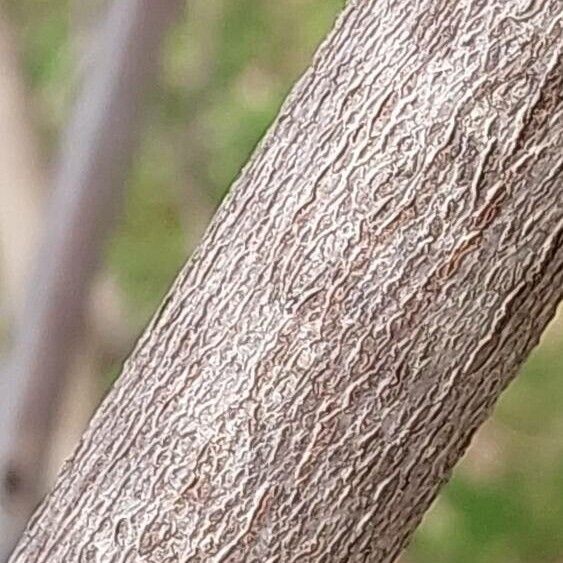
x=22, y=185
x=96, y=151
x=21, y=175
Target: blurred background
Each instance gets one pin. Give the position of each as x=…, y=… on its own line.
x=225, y=67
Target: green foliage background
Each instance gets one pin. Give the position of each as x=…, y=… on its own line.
x=226, y=68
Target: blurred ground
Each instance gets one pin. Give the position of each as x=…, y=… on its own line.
x=226, y=69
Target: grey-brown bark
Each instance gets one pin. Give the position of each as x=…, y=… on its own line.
x=377, y=275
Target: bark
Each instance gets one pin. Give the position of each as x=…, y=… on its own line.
x=379, y=272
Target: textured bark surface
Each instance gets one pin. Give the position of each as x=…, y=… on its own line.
x=377, y=275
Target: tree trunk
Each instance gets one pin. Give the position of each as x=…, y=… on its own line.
x=380, y=270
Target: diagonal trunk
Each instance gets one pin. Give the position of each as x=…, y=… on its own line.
x=378, y=274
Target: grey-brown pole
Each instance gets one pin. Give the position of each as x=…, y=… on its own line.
x=379, y=272
x=88, y=185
